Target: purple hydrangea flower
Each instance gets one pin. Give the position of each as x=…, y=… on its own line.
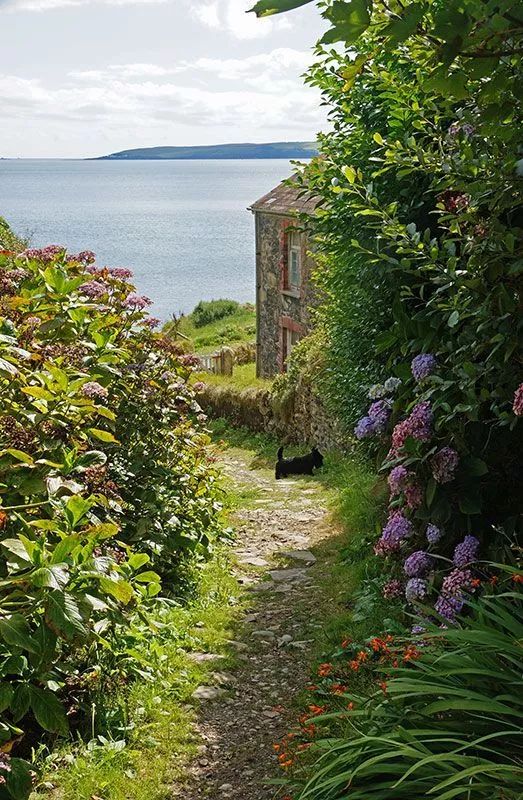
x=466, y=551
x=397, y=479
x=418, y=425
x=379, y=413
x=448, y=606
x=416, y=589
x=392, y=589
x=457, y=581
x=444, y=464
x=423, y=365
x=94, y=389
x=517, y=406
x=136, y=302
x=121, y=273
x=433, y=533
x=94, y=289
x=152, y=322
x=413, y=494
x=417, y=629
x=5, y=764
x=417, y=564
x=397, y=529
x=45, y=254
x=364, y=427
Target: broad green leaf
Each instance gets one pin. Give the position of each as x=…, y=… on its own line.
x=121, y=590
x=403, y=27
x=349, y=20
x=76, y=508
x=266, y=8
x=18, y=549
x=138, y=560
x=48, y=710
x=15, y=631
x=54, y=577
x=104, y=436
x=6, y=696
x=63, y=616
x=19, y=781
x=350, y=174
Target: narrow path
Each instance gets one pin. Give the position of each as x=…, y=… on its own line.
x=244, y=713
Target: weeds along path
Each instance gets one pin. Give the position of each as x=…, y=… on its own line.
x=279, y=525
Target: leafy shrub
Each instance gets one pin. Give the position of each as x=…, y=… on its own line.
x=444, y=723
x=100, y=453
x=208, y=311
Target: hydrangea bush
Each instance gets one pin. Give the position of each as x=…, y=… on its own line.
x=106, y=489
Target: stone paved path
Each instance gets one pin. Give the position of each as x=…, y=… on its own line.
x=244, y=713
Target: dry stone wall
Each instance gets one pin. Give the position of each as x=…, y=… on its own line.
x=300, y=418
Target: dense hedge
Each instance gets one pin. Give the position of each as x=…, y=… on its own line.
x=105, y=487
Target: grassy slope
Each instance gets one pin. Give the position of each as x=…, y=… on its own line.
x=8, y=240
x=235, y=329
x=243, y=377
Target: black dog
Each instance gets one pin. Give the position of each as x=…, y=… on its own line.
x=301, y=465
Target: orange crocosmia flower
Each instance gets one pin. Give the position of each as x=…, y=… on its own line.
x=324, y=670
x=383, y=686
x=276, y=747
x=338, y=688
x=475, y=582
x=316, y=710
x=354, y=665
x=309, y=730
x=350, y=706
x=346, y=642
x=304, y=746
x=362, y=656
x=3, y=519
x=493, y=580
x=517, y=578
x=311, y=688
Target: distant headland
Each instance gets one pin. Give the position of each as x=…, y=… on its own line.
x=218, y=151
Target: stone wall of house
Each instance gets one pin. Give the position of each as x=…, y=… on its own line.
x=300, y=418
x=273, y=302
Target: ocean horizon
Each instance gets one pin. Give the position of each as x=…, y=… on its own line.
x=182, y=226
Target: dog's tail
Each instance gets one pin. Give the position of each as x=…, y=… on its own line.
x=280, y=454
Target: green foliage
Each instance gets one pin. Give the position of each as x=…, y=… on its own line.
x=8, y=240
x=100, y=452
x=232, y=330
x=212, y=310
x=448, y=724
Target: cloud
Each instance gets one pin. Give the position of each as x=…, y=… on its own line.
x=231, y=16
x=51, y=5
x=261, y=92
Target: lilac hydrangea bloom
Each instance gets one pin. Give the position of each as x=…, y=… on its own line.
x=122, y=273
x=433, y=533
x=444, y=464
x=416, y=589
x=466, y=551
x=94, y=389
x=364, y=427
x=457, y=581
x=422, y=366
x=418, y=425
x=417, y=564
x=94, y=289
x=448, y=606
x=152, y=322
x=136, y=302
x=379, y=413
x=397, y=529
x=397, y=479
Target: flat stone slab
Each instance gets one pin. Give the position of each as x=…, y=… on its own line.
x=254, y=561
x=286, y=575
x=201, y=658
x=304, y=556
x=208, y=693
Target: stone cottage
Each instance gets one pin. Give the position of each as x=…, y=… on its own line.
x=284, y=293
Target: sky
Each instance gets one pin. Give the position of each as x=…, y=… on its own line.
x=82, y=78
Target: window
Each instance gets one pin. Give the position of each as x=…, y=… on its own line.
x=294, y=262
x=290, y=338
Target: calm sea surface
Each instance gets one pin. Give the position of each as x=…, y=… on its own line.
x=182, y=226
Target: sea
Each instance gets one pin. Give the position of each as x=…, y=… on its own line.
x=183, y=227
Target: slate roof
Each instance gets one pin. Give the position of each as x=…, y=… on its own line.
x=285, y=199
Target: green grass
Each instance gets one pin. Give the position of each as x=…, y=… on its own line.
x=9, y=240
x=231, y=330
x=160, y=740
x=243, y=377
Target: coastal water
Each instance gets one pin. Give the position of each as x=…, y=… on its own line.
x=182, y=226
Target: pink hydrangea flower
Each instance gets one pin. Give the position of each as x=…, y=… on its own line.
x=517, y=406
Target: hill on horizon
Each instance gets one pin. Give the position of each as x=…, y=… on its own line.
x=218, y=151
